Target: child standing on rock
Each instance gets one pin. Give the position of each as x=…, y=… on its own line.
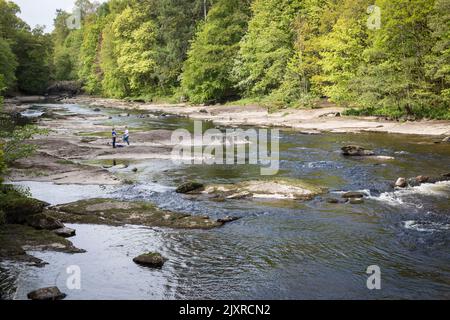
x=126, y=136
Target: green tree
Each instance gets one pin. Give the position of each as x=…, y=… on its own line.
x=8, y=65
x=392, y=78
x=315, y=19
x=207, y=71
x=89, y=70
x=176, y=22
x=340, y=52
x=438, y=61
x=9, y=22
x=135, y=37
x=67, y=44
x=114, y=83
x=33, y=51
x=267, y=47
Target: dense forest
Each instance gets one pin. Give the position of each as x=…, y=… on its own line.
x=377, y=57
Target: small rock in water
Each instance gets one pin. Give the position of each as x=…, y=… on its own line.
x=65, y=232
x=356, y=201
x=353, y=150
x=422, y=179
x=227, y=219
x=151, y=260
x=332, y=201
x=189, y=187
x=401, y=183
x=135, y=170
x=47, y=294
x=353, y=195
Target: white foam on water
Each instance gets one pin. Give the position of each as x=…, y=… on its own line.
x=425, y=226
x=152, y=187
x=403, y=196
x=366, y=192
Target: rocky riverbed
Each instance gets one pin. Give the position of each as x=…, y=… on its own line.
x=223, y=231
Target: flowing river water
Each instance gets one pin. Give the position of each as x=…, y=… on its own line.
x=279, y=249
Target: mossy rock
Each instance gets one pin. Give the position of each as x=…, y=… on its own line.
x=17, y=207
x=46, y=294
x=42, y=221
x=115, y=212
x=190, y=187
x=16, y=239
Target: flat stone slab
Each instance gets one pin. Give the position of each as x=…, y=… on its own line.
x=116, y=213
x=271, y=189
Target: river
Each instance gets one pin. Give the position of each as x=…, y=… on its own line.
x=279, y=249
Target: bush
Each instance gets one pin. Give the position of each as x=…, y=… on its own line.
x=16, y=207
x=439, y=113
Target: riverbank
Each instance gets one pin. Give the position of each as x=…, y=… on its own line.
x=308, y=121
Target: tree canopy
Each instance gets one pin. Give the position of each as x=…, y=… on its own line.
x=375, y=57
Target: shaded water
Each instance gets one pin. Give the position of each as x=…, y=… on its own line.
x=279, y=249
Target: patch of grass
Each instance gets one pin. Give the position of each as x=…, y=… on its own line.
x=98, y=134
x=64, y=162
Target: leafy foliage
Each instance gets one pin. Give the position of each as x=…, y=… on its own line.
x=207, y=71
x=281, y=53
x=267, y=47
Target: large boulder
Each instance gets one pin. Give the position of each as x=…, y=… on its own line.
x=282, y=188
x=190, y=187
x=44, y=222
x=358, y=151
x=151, y=260
x=401, y=183
x=46, y=294
x=65, y=232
